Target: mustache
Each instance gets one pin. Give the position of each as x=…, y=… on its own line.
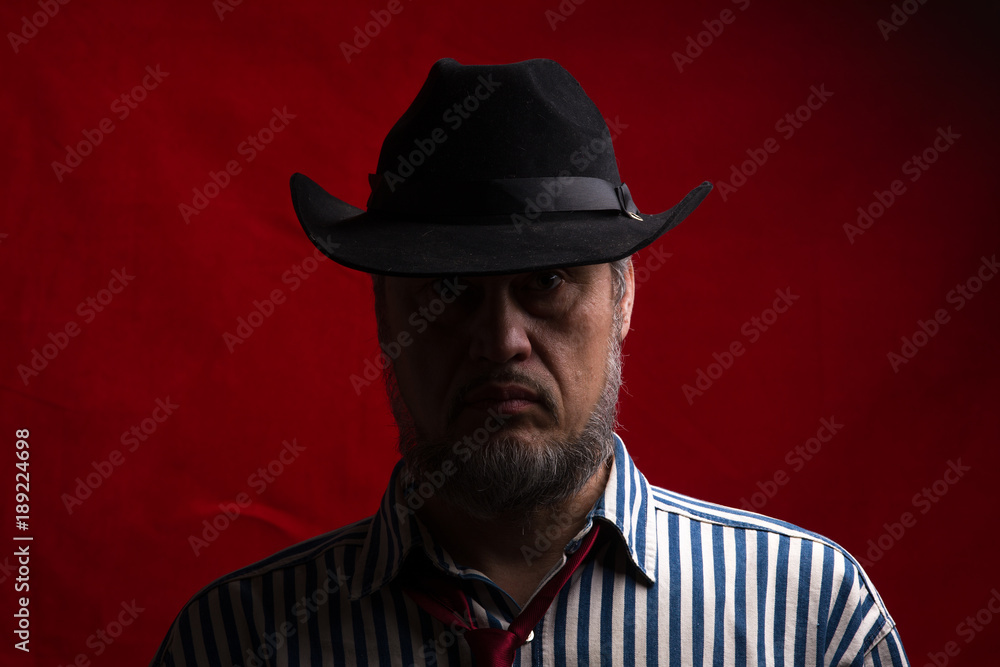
x=503, y=376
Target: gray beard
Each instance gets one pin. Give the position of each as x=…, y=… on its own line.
x=506, y=478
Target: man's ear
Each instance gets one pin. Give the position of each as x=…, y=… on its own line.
x=628, y=299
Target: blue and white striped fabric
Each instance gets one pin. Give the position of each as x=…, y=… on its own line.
x=682, y=582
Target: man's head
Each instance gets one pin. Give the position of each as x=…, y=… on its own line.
x=504, y=176
x=510, y=382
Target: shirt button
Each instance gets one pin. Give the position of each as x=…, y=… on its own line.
x=531, y=635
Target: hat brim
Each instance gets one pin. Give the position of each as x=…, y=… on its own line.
x=480, y=245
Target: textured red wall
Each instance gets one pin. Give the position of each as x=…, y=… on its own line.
x=212, y=75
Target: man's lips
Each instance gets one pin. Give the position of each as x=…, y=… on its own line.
x=507, y=393
x=508, y=396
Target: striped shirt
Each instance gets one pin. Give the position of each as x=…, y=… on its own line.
x=681, y=582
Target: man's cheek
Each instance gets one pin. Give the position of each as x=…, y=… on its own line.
x=420, y=381
x=417, y=323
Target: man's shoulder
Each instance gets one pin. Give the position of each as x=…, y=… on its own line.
x=742, y=521
x=722, y=524
x=311, y=551
x=777, y=558
x=705, y=512
x=329, y=559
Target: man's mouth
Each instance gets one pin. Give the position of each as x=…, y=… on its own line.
x=505, y=398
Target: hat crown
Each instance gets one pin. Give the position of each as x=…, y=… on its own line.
x=493, y=169
x=530, y=119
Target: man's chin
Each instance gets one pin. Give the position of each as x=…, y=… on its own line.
x=482, y=429
x=512, y=474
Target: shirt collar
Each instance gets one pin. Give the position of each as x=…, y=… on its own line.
x=628, y=504
x=395, y=531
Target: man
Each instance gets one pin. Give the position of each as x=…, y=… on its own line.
x=516, y=528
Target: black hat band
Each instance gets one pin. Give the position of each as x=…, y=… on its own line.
x=524, y=196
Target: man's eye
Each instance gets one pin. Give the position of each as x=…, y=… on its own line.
x=546, y=281
x=450, y=286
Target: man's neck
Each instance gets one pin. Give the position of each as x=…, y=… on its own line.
x=514, y=552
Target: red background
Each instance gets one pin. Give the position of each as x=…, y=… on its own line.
x=162, y=336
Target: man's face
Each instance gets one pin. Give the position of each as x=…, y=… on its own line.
x=537, y=348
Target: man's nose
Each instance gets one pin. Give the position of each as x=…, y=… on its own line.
x=499, y=330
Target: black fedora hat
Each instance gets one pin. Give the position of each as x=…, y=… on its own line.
x=492, y=169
